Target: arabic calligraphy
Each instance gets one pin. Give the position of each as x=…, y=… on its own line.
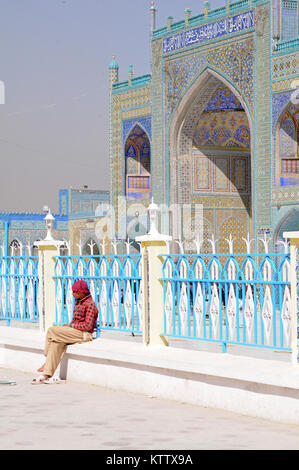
x=214, y=30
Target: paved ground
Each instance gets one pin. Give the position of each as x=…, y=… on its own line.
x=78, y=416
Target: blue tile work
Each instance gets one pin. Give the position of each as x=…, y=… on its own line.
x=144, y=122
x=234, y=61
x=223, y=99
x=233, y=46
x=279, y=103
x=215, y=30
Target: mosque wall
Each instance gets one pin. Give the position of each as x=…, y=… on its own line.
x=130, y=107
x=234, y=158
x=184, y=80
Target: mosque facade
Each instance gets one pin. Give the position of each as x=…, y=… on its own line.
x=215, y=124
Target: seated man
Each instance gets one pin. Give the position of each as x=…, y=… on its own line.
x=78, y=331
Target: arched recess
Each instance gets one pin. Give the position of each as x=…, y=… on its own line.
x=224, y=160
x=288, y=223
x=137, y=164
x=287, y=147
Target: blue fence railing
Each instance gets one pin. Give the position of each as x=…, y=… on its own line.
x=18, y=288
x=115, y=285
x=229, y=299
x=242, y=299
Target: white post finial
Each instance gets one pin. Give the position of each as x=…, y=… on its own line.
x=49, y=220
x=181, y=245
x=265, y=242
x=230, y=242
x=114, y=243
x=91, y=245
x=21, y=249
x=213, y=243
x=128, y=244
x=153, y=216
x=248, y=243
x=102, y=245
x=29, y=248
x=198, y=241
x=285, y=244
x=153, y=233
x=79, y=245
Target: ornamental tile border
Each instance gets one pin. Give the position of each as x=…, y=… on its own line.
x=228, y=59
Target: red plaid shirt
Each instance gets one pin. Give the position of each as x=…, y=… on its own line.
x=85, y=314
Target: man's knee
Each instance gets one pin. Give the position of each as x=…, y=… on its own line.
x=52, y=332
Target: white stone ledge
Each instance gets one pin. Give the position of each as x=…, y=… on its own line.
x=255, y=387
x=263, y=371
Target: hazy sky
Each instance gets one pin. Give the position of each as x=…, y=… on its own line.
x=54, y=57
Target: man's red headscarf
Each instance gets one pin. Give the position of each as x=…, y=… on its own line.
x=81, y=287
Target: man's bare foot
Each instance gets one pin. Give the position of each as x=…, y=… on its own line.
x=41, y=369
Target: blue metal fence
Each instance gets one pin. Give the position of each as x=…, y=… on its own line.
x=115, y=285
x=229, y=299
x=241, y=299
x=19, y=287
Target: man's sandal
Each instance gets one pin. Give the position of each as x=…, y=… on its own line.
x=52, y=380
x=42, y=379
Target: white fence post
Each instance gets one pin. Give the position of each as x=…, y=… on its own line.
x=152, y=245
x=294, y=245
x=47, y=250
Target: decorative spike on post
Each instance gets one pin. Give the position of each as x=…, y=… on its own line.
x=114, y=243
x=230, y=242
x=128, y=244
x=29, y=248
x=91, y=245
x=21, y=248
x=265, y=242
x=248, y=243
x=181, y=245
x=103, y=245
x=285, y=244
x=79, y=245
x=198, y=242
x=213, y=243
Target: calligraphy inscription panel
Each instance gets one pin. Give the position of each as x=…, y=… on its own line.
x=234, y=24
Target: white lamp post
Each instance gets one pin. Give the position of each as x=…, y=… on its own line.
x=49, y=220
